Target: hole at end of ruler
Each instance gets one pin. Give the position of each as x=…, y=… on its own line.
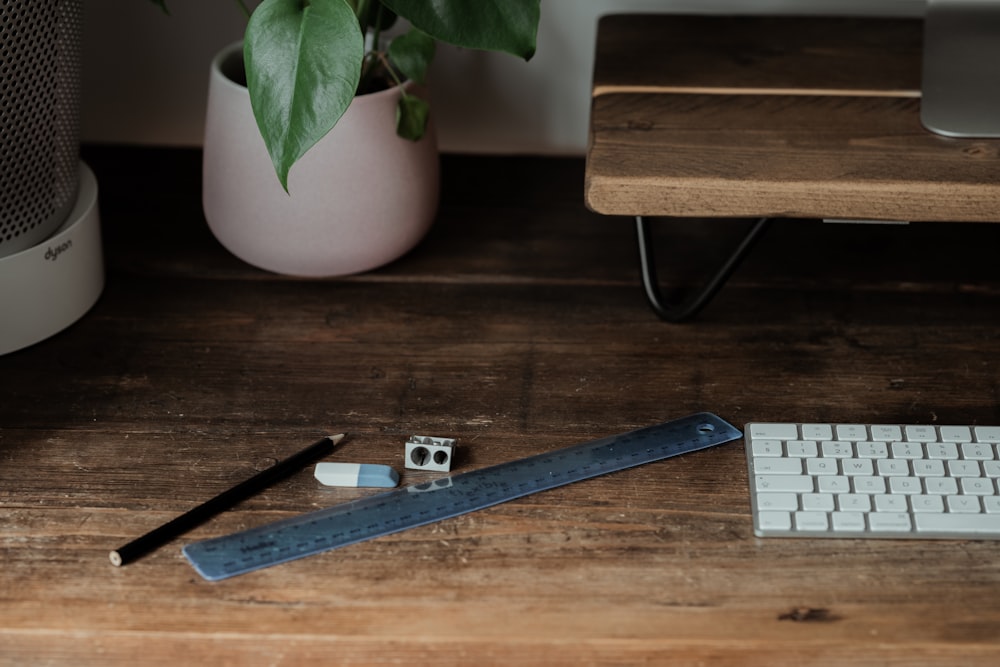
x=706, y=429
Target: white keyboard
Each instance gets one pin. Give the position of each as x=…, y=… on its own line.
x=874, y=480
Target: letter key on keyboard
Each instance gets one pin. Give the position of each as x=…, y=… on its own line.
x=874, y=480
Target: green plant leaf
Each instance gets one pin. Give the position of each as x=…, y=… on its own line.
x=303, y=64
x=412, y=54
x=411, y=117
x=495, y=25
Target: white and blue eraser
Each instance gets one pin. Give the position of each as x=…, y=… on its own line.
x=356, y=474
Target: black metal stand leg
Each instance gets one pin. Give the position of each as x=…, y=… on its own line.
x=690, y=307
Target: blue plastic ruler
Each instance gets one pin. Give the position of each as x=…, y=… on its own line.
x=394, y=511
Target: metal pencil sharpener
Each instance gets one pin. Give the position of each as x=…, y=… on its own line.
x=425, y=452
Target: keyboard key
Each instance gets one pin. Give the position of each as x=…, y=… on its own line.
x=963, y=504
x=942, y=486
x=837, y=450
x=784, y=483
x=906, y=486
x=773, y=431
x=801, y=448
x=771, y=520
x=956, y=434
x=992, y=504
x=890, y=503
x=834, y=484
x=811, y=521
x=869, y=485
x=872, y=450
x=977, y=486
x=854, y=502
x=887, y=467
x=852, y=432
x=778, y=501
x=766, y=447
x=856, y=467
x=942, y=450
x=927, y=503
x=928, y=468
x=822, y=466
x=817, y=502
x=907, y=450
x=777, y=466
x=890, y=522
x=817, y=432
x=848, y=521
x=886, y=433
x=958, y=523
x=987, y=433
x=963, y=468
x=977, y=451
x=921, y=433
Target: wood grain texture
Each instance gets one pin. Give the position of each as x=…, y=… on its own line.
x=818, y=54
x=518, y=326
x=689, y=155
x=794, y=118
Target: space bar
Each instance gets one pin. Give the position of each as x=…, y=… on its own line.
x=957, y=523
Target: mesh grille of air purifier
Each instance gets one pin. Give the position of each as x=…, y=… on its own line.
x=40, y=54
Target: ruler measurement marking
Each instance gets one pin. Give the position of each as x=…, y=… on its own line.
x=410, y=507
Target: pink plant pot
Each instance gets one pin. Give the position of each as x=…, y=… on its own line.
x=359, y=199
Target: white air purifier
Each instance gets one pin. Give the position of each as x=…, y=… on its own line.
x=51, y=264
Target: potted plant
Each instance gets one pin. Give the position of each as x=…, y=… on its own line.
x=307, y=65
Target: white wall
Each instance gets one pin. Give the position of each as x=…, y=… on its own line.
x=146, y=73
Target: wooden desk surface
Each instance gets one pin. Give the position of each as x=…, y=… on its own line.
x=518, y=326
x=698, y=116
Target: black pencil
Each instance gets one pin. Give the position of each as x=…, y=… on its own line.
x=185, y=522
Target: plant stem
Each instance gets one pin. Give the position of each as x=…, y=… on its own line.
x=388, y=68
x=377, y=30
x=363, y=13
x=243, y=6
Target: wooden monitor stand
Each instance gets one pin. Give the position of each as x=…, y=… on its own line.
x=772, y=117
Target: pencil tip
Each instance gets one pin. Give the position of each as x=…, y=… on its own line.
x=337, y=438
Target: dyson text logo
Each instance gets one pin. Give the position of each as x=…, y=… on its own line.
x=53, y=253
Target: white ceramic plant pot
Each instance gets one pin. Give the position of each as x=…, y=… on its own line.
x=359, y=199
